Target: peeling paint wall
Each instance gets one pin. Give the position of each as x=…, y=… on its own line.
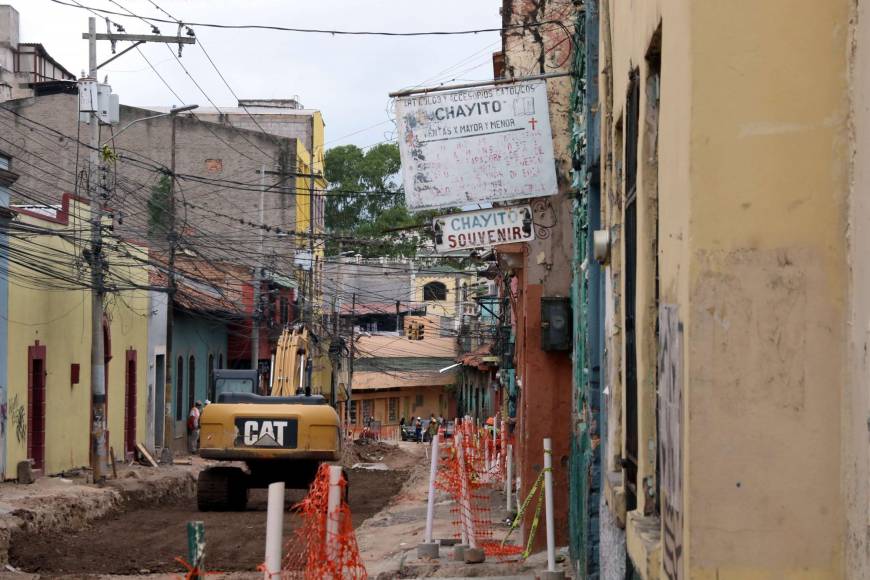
x=543, y=267
x=748, y=230
x=856, y=399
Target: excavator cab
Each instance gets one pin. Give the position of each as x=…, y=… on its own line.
x=283, y=436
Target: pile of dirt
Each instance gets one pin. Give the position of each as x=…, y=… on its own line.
x=148, y=539
x=369, y=451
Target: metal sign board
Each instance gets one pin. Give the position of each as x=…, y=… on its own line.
x=483, y=228
x=476, y=145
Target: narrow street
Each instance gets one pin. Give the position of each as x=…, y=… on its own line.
x=143, y=538
x=508, y=289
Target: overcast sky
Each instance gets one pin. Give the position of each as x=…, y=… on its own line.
x=346, y=77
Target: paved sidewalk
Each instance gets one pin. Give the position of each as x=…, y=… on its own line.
x=388, y=541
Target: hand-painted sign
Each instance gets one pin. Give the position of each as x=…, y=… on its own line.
x=483, y=228
x=477, y=145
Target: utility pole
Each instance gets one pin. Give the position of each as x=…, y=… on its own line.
x=352, y=355
x=311, y=219
x=258, y=282
x=98, y=454
x=98, y=450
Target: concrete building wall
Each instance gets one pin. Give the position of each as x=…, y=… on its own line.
x=544, y=378
x=194, y=339
x=60, y=322
x=7, y=178
x=433, y=400
x=156, y=404
x=741, y=218
x=224, y=162
x=856, y=396
x=9, y=35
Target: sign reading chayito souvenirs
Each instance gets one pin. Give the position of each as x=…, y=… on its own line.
x=479, y=145
x=483, y=228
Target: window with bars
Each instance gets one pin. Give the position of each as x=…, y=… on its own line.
x=368, y=409
x=353, y=412
x=179, y=389
x=393, y=410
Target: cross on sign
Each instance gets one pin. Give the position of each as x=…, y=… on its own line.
x=533, y=122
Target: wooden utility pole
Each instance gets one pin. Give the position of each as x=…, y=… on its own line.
x=258, y=284
x=98, y=454
x=352, y=354
x=99, y=445
x=311, y=228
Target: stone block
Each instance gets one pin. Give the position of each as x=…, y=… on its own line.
x=25, y=472
x=474, y=556
x=429, y=551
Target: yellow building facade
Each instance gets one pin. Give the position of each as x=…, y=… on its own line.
x=49, y=395
x=440, y=289
x=725, y=126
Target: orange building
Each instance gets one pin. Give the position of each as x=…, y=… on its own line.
x=395, y=377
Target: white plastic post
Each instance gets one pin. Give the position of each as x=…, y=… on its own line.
x=430, y=507
x=504, y=443
x=274, y=529
x=333, y=513
x=467, y=525
x=495, y=463
x=548, y=504
x=508, y=480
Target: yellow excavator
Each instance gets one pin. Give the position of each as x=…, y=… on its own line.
x=282, y=436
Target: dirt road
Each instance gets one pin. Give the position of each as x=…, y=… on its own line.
x=147, y=539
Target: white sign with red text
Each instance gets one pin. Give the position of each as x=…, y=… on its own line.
x=483, y=228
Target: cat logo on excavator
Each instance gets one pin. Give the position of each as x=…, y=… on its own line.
x=283, y=436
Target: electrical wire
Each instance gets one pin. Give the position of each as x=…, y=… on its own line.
x=331, y=32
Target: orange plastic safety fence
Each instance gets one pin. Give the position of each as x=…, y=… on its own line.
x=312, y=553
x=472, y=515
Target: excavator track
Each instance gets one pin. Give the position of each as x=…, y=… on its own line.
x=222, y=489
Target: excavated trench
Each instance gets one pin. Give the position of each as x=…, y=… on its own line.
x=140, y=537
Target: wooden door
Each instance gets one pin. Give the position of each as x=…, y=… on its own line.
x=130, y=402
x=36, y=405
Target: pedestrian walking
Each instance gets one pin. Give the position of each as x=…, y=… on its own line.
x=418, y=429
x=193, y=427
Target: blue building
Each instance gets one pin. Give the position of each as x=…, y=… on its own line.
x=7, y=178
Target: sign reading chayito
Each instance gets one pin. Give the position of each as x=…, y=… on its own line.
x=481, y=145
x=483, y=228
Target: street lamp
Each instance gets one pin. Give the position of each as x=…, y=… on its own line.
x=174, y=111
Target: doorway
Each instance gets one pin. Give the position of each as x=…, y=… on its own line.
x=630, y=464
x=130, y=403
x=159, y=398
x=36, y=405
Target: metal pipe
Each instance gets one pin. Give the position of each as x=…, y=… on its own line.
x=174, y=111
x=410, y=92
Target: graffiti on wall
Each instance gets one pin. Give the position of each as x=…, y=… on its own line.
x=670, y=392
x=18, y=416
